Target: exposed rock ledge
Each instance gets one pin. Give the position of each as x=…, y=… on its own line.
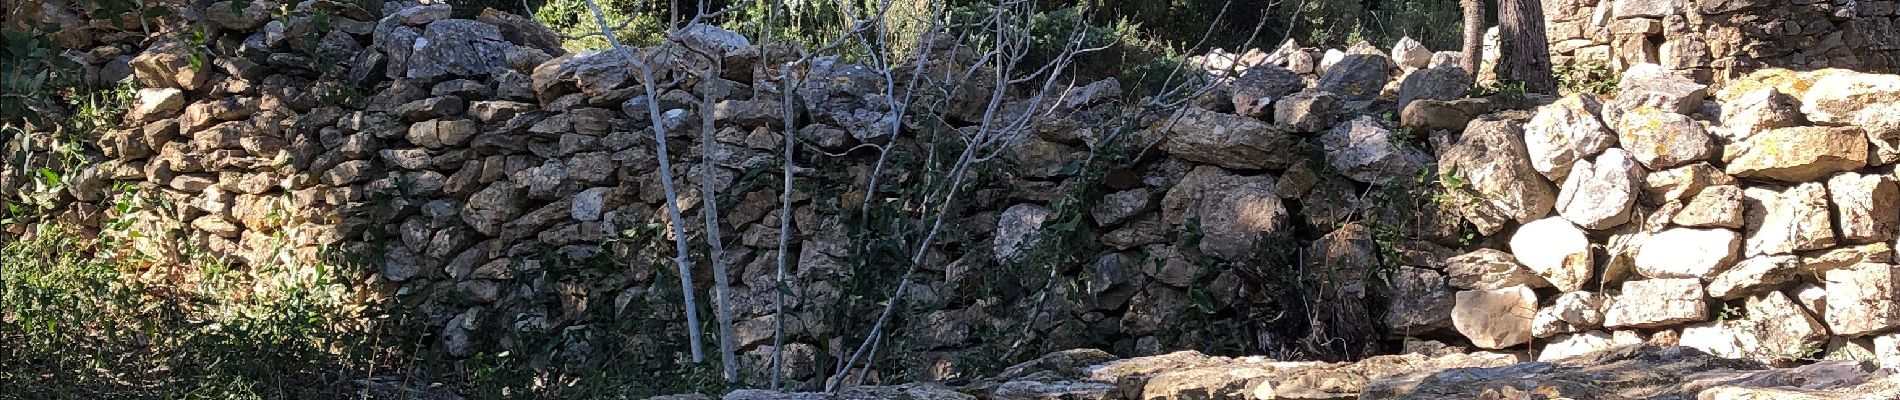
x=1628, y=372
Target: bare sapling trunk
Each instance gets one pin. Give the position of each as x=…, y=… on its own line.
x=784, y=226
x=709, y=207
x=666, y=184
x=1474, y=37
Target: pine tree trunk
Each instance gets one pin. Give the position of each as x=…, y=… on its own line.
x=1474, y=36
x=1526, y=51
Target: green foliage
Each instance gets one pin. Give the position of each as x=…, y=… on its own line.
x=1502, y=93
x=574, y=21
x=76, y=321
x=1592, y=77
x=1438, y=24
x=32, y=76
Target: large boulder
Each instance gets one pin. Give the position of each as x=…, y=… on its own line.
x=1496, y=318
x=458, y=47
x=1773, y=329
x=1799, y=154
x=1862, y=299
x=499, y=203
x=1653, y=86
x=1228, y=140
x=1714, y=207
x=1308, y=111
x=1786, y=221
x=1600, y=194
x=1018, y=231
x=1846, y=98
x=1420, y=301
x=1237, y=213
x=1575, y=345
x=1490, y=174
x=1864, y=206
x=1656, y=303
x=1759, y=110
x=1442, y=83
x=1566, y=131
x=1357, y=77
x=1260, y=86
x=1411, y=54
x=1450, y=115
x=1663, y=139
x=1569, y=312
x=1687, y=253
x=1366, y=151
x=1556, y=250
x=1754, y=275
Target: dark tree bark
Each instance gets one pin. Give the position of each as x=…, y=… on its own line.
x=1474, y=36
x=1526, y=51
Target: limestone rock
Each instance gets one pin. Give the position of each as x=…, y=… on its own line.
x=1420, y=301
x=1365, y=151
x=1443, y=83
x=1450, y=115
x=1556, y=250
x=1786, y=221
x=1653, y=86
x=167, y=64
x=1783, y=330
x=229, y=15
x=1820, y=261
x=1308, y=111
x=155, y=103
x=1760, y=110
x=1564, y=132
x=1864, y=206
x=1114, y=208
x=1754, y=275
x=1714, y=207
x=1688, y=253
x=1255, y=91
x=1797, y=154
x=1496, y=318
x=1227, y=140
x=1683, y=182
x=1499, y=185
x=1645, y=8
x=1663, y=139
x=1409, y=53
x=1017, y=231
x=1861, y=299
x=1657, y=303
x=1357, y=76
x=493, y=206
x=1575, y=344
x=453, y=47
x=1570, y=312
x=1842, y=98
x=1237, y=213
x=1600, y=194
x=1489, y=269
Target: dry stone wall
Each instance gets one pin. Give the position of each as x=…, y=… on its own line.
x=1718, y=40
x=1319, y=207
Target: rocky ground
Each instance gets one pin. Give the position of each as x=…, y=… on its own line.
x=1627, y=372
